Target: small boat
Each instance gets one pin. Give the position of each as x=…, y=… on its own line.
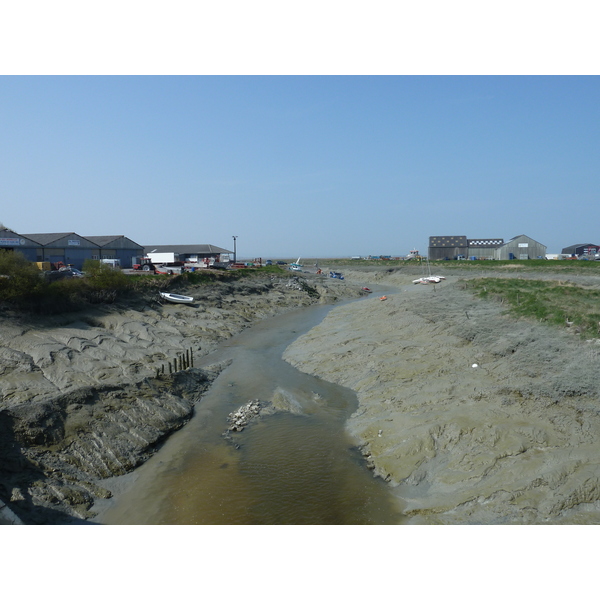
x=177, y=298
x=296, y=266
x=383, y=298
x=366, y=289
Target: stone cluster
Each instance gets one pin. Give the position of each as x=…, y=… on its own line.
x=241, y=417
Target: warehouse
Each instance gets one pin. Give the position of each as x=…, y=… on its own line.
x=117, y=248
x=484, y=247
x=9, y=240
x=202, y=254
x=445, y=247
x=520, y=247
x=66, y=248
x=581, y=249
x=458, y=246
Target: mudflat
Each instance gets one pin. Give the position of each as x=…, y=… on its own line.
x=472, y=417
x=91, y=395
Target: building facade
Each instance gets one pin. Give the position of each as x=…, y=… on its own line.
x=449, y=247
x=12, y=241
x=483, y=247
x=521, y=247
x=66, y=248
x=117, y=247
x=581, y=249
x=446, y=247
x=203, y=254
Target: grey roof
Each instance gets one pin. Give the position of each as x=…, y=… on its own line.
x=48, y=238
x=13, y=234
x=522, y=235
x=106, y=240
x=188, y=249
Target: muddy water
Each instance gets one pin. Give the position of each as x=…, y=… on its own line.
x=295, y=466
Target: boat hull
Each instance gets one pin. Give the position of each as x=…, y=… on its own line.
x=176, y=298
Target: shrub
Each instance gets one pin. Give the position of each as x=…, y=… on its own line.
x=101, y=276
x=19, y=278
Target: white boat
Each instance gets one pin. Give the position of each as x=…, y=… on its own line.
x=177, y=298
x=296, y=266
x=429, y=278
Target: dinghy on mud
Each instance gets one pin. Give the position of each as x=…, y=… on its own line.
x=176, y=298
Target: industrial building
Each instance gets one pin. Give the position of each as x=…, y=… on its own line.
x=66, y=248
x=203, y=254
x=521, y=247
x=10, y=240
x=581, y=249
x=445, y=247
x=458, y=246
x=74, y=249
x=116, y=248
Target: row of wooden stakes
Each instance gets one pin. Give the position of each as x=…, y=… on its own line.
x=183, y=361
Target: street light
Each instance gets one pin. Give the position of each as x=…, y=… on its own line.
x=235, y=237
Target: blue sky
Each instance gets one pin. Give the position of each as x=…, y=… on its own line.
x=302, y=165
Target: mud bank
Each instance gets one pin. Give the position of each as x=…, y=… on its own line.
x=91, y=395
x=472, y=417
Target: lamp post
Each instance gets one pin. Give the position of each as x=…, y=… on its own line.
x=235, y=237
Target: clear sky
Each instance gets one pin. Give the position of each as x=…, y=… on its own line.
x=302, y=165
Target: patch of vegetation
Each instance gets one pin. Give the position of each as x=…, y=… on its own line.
x=19, y=278
x=570, y=266
x=554, y=302
x=24, y=287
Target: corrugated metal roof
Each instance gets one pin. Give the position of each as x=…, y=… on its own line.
x=106, y=240
x=522, y=235
x=188, y=249
x=49, y=238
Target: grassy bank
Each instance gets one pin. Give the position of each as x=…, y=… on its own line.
x=553, y=302
x=571, y=266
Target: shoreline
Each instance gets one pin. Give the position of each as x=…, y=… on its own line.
x=470, y=416
x=83, y=399
x=513, y=440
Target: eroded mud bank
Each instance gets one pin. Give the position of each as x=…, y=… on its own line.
x=91, y=395
x=471, y=416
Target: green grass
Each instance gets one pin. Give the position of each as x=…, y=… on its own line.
x=585, y=266
x=551, y=302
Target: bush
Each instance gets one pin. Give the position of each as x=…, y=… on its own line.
x=19, y=278
x=101, y=276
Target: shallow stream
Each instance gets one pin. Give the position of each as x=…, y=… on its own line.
x=295, y=466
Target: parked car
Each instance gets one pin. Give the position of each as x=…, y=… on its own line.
x=71, y=271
